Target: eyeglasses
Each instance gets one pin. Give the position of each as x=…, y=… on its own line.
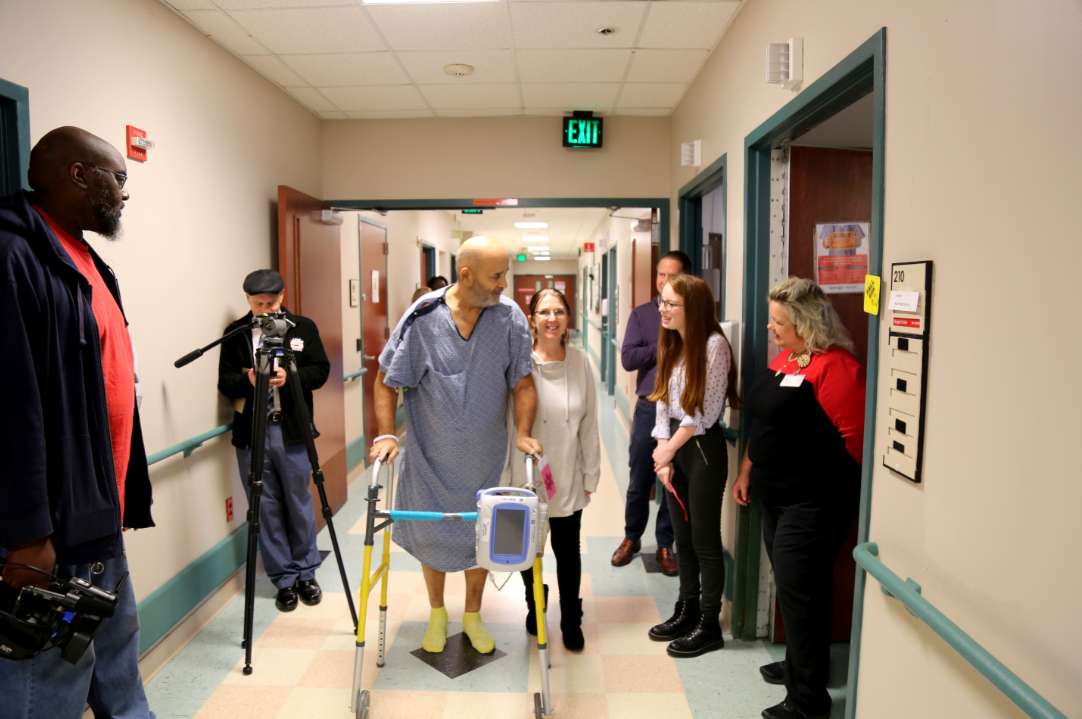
x=667, y=306
x=554, y=313
x=121, y=178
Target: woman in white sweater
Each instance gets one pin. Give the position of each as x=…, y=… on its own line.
x=566, y=426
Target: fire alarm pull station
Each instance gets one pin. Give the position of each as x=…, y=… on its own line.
x=137, y=144
x=908, y=312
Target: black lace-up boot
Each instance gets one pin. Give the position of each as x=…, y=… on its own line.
x=705, y=637
x=684, y=618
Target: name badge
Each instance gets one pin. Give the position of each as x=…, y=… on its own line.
x=296, y=344
x=792, y=380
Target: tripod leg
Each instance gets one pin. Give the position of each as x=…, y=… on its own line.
x=255, y=494
x=301, y=410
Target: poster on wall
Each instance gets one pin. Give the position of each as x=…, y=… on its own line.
x=841, y=256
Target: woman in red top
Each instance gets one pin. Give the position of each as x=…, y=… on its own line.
x=802, y=466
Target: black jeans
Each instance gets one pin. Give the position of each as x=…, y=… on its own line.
x=642, y=478
x=702, y=469
x=803, y=534
x=564, y=535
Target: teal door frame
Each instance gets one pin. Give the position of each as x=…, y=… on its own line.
x=606, y=347
x=356, y=450
x=609, y=340
x=862, y=72
x=430, y=262
x=14, y=136
x=690, y=204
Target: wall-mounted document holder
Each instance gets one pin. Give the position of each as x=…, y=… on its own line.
x=908, y=312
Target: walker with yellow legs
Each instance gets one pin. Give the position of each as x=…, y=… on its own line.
x=361, y=698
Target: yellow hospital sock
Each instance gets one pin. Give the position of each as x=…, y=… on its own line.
x=475, y=629
x=436, y=636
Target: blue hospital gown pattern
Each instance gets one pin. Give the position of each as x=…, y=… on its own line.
x=456, y=430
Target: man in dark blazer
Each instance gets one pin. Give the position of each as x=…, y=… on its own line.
x=287, y=538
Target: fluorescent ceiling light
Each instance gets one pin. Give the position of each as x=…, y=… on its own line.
x=415, y=2
x=534, y=238
x=541, y=259
x=538, y=248
x=531, y=225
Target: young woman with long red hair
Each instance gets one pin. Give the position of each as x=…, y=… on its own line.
x=696, y=378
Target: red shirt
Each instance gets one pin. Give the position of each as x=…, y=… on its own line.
x=117, y=363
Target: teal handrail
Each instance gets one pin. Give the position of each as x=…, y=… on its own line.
x=615, y=343
x=908, y=593
x=595, y=325
x=189, y=445
x=355, y=375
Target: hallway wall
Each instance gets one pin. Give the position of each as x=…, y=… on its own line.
x=971, y=169
x=202, y=215
x=491, y=157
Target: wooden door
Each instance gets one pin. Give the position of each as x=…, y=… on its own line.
x=310, y=260
x=828, y=185
x=374, y=316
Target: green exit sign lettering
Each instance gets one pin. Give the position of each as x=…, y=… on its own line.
x=473, y=212
x=583, y=131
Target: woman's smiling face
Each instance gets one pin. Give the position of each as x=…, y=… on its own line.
x=785, y=334
x=550, y=318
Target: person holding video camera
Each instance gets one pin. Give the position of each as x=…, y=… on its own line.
x=287, y=539
x=74, y=470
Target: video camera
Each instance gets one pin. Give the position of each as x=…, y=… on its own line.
x=273, y=324
x=66, y=615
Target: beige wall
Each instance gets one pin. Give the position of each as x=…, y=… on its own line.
x=980, y=100
x=201, y=216
x=491, y=158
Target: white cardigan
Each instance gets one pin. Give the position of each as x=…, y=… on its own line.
x=566, y=427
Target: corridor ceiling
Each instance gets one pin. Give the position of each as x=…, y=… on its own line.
x=345, y=59
x=568, y=227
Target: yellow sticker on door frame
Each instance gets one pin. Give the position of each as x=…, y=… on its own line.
x=871, y=294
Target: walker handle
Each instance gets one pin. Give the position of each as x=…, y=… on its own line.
x=376, y=467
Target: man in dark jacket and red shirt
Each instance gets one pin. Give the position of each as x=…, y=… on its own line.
x=639, y=352
x=287, y=537
x=73, y=470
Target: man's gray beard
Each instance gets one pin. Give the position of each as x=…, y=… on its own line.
x=108, y=218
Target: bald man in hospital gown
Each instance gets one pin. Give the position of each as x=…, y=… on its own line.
x=458, y=352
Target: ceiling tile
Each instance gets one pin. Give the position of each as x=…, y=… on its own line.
x=489, y=66
x=666, y=65
x=571, y=96
x=654, y=94
x=644, y=112
x=575, y=24
x=348, y=69
x=375, y=99
x=443, y=26
x=276, y=70
x=221, y=28
x=447, y=97
x=479, y=113
x=183, y=5
x=572, y=65
x=333, y=115
x=312, y=99
x=261, y=4
x=685, y=25
x=389, y=114
x=549, y=112
x=314, y=30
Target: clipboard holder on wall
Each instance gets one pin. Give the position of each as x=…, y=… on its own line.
x=908, y=315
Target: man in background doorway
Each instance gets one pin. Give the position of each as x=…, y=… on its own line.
x=459, y=352
x=287, y=539
x=73, y=470
x=639, y=352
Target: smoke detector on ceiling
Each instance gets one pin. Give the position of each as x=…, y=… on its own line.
x=458, y=70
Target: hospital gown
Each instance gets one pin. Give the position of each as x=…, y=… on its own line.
x=456, y=435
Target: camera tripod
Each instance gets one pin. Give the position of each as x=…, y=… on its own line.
x=274, y=328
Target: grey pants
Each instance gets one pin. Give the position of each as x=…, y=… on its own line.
x=287, y=537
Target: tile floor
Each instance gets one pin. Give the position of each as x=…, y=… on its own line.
x=303, y=661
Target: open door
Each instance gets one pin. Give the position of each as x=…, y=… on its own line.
x=310, y=260
x=375, y=328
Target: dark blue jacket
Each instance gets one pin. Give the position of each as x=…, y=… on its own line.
x=56, y=459
x=639, y=348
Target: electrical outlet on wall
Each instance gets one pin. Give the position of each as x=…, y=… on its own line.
x=229, y=509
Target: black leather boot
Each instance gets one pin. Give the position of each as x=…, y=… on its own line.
x=683, y=620
x=571, y=624
x=531, y=615
x=705, y=637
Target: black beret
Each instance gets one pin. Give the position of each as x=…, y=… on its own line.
x=264, y=282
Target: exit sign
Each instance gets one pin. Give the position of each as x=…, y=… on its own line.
x=583, y=132
x=473, y=212
x=522, y=258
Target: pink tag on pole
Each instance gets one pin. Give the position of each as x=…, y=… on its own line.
x=546, y=476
